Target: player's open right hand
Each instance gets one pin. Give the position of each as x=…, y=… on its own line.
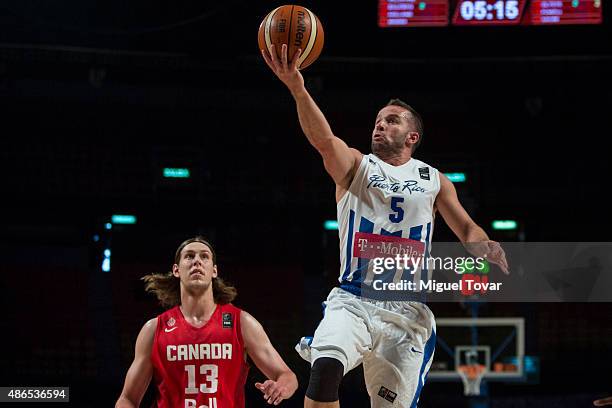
x=285, y=70
x=492, y=251
x=273, y=391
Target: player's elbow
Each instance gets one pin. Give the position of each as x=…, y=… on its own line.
x=125, y=402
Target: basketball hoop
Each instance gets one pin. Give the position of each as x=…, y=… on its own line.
x=471, y=375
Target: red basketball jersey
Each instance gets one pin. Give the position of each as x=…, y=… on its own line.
x=199, y=367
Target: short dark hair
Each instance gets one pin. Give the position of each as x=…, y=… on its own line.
x=418, y=121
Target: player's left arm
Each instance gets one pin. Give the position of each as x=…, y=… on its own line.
x=282, y=382
x=474, y=238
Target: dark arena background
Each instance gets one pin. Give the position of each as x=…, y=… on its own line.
x=98, y=98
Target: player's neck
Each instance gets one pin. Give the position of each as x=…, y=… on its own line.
x=396, y=159
x=198, y=308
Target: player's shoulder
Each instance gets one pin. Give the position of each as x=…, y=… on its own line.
x=151, y=324
x=167, y=316
x=248, y=320
x=426, y=172
x=231, y=313
x=147, y=333
x=357, y=155
x=168, y=313
x=357, y=158
x=370, y=158
x=230, y=308
x=251, y=328
x=422, y=164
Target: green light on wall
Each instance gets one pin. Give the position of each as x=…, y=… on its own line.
x=173, y=172
x=456, y=177
x=123, y=219
x=330, y=225
x=504, y=225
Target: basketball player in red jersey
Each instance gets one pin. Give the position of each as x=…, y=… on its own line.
x=196, y=351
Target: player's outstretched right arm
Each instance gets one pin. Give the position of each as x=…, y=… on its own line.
x=140, y=372
x=341, y=162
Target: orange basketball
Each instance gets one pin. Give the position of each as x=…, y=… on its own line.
x=295, y=26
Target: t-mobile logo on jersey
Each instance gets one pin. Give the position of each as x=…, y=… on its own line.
x=371, y=246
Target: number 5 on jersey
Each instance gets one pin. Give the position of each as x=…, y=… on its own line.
x=398, y=212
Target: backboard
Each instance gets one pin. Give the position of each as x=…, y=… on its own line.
x=498, y=343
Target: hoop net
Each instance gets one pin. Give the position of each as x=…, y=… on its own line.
x=471, y=375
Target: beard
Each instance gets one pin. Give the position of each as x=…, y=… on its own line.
x=384, y=148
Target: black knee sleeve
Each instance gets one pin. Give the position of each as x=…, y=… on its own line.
x=325, y=377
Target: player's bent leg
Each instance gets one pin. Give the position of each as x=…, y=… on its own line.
x=325, y=377
x=338, y=345
x=396, y=369
x=395, y=379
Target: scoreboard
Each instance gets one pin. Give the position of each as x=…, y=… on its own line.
x=432, y=13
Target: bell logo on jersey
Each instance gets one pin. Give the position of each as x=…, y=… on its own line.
x=191, y=403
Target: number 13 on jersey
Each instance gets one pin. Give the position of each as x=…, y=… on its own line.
x=211, y=371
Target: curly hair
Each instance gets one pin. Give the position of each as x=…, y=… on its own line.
x=167, y=287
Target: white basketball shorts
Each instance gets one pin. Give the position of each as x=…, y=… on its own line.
x=395, y=341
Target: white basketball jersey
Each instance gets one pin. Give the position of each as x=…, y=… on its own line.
x=386, y=208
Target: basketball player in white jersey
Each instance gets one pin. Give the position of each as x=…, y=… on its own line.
x=384, y=197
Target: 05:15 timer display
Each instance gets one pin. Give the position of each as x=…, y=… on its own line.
x=482, y=11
